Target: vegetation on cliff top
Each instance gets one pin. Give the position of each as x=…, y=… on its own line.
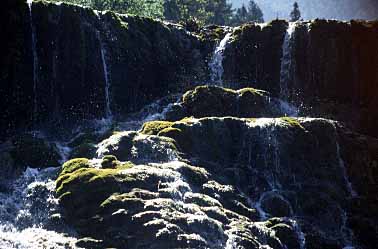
x=218, y=12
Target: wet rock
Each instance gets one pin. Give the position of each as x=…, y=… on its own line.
x=70, y=78
x=89, y=243
x=109, y=162
x=248, y=173
x=276, y=206
x=213, y=101
x=286, y=235
x=86, y=150
x=26, y=150
x=360, y=157
x=139, y=148
x=138, y=202
x=34, y=152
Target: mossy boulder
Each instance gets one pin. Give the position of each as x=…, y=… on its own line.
x=252, y=180
x=138, y=202
x=139, y=147
x=109, y=162
x=118, y=145
x=154, y=127
x=74, y=164
x=213, y=101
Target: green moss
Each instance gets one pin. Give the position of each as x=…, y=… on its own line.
x=70, y=181
x=207, y=91
x=292, y=122
x=154, y=127
x=187, y=120
x=251, y=90
x=126, y=165
x=167, y=132
x=74, y=164
x=111, y=162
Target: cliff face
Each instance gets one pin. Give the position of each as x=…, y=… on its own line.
x=331, y=64
x=64, y=63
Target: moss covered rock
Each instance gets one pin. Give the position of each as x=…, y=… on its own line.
x=138, y=202
x=74, y=164
x=154, y=127
x=213, y=101
x=252, y=180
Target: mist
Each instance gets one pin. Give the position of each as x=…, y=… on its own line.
x=310, y=9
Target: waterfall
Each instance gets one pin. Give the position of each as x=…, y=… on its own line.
x=286, y=61
x=30, y=210
x=108, y=111
x=35, y=59
x=216, y=63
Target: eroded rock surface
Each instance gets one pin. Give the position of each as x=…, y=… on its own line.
x=217, y=183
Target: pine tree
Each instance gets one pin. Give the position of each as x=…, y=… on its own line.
x=244, y=14
x=221, y=12
x=241, y=16
x=295, y=15
x=254, y=12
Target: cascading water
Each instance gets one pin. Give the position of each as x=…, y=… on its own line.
x=286, y=61
x=108, y=111
x=29, y=216
x=216, y=63
x=35, y=59
x=269, y=183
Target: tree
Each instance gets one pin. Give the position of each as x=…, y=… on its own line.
x=220, y=12
x=251, y=14
x=205, y=11
x=241, y=16
x=295, y=14
x=254, y=12
x=148, y=8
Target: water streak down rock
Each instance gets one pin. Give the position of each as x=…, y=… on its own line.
x=216, y=63
x=257, y=182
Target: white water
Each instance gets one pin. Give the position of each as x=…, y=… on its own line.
x=29, y=213
x=286, y=61
x=216, y=63
x=35, y=59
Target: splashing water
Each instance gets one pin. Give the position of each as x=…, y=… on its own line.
x=29, y=214
x=216, y=63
